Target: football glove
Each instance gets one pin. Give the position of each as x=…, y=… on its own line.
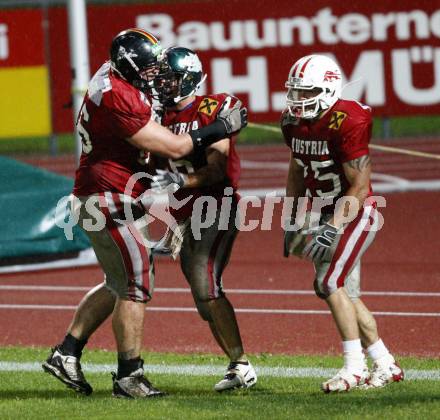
x=234, y=118
x=163, y=179
x=319, y=246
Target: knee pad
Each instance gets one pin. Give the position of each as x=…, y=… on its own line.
x=318, y=291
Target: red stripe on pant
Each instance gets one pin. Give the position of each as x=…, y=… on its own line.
x=144, y=283
x=113, y=229
x=340, y=249
x=356, y=249
x=211, y=262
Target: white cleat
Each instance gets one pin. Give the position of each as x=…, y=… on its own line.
x=238, y=375
x=385, y=371
x=345, y=381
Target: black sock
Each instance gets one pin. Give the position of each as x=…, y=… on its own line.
x=125, y=367
x=71, y=346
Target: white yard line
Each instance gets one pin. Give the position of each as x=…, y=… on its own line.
x=45, y=288
x=238, y=310
x=204, y=370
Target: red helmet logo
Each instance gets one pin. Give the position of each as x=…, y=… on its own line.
x=329, y=76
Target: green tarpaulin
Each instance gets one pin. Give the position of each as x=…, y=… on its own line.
x=28, y=201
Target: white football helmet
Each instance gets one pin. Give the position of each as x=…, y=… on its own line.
x=313, y=85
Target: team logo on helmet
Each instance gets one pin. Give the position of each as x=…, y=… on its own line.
x=122, y=53
x=329, y=76
x=191, y=62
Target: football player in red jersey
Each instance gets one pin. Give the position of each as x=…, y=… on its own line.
x=117, y=128
x=212, y=173
x=329, y=159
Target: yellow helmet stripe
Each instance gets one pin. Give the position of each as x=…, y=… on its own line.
x=150, y=37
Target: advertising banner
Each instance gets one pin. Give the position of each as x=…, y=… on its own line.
x=389, y=51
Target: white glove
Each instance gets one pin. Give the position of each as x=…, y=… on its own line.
x=163, y=179
x=234, y=118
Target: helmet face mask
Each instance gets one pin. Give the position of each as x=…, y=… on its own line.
x=134, y=56
x=180, y=75
x=313, y=85
x=168, y=86
x=303, y=101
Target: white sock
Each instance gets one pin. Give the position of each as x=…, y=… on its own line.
x=378, y=350
x=354, y=359
x=352, y=346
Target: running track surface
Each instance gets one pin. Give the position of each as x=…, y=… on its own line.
x=400, y=273
x=266, y=166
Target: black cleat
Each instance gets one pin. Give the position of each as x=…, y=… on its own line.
x=68, y=370
x=134, y=386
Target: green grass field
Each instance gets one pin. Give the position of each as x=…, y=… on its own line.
x=34, y=394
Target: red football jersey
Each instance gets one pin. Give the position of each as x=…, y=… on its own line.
x=202, y=111
x=322, y=146
x=112, y=111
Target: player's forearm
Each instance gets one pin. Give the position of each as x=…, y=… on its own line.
x=180, y=147
x=202, y=138
x=295, y=189
x=359, y=193
x=358, y=173
x=173, y=146
x=159, y=140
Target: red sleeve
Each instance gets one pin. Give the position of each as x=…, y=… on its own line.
x=130, y=111
x=355, y=137
x=129, y=124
